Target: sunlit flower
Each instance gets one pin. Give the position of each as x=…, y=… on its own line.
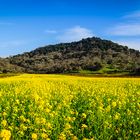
x=117, y=116
x=4, y=123
x=84, y=126
x=34, y=136
x=44, y=135
x=62, y=136
x=74, y=138
x=84, y=115
x=114, y=104
x=5, y=134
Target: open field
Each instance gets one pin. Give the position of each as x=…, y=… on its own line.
x=52, y=107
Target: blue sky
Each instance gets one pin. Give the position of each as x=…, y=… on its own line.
x=28, y=24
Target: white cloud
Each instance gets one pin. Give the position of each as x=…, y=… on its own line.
x=74, y=34
x=135, y=14
x=130, y=25
x=126, y=30
x=130, y=43
x=50, y=31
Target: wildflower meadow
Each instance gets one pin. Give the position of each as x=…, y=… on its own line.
x=58, y=107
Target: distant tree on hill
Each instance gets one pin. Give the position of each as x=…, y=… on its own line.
x=88, y=54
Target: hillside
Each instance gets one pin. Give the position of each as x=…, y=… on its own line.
x=7, y=67
x=91, y=54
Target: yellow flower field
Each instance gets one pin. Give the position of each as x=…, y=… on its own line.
x=56, y=107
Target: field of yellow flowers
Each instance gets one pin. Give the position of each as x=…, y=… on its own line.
x=56, y=107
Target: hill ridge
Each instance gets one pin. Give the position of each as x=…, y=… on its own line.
x=92, y=54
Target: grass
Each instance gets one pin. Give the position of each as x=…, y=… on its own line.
x=48, y=107
x=104, y=72
x=8, y=75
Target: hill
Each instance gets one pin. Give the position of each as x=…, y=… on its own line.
x=91, y=54
x=7, y=67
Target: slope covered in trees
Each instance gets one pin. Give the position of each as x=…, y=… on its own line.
x=93, y=54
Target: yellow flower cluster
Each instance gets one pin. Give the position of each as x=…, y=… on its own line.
x=5, y=134
x=47, y=107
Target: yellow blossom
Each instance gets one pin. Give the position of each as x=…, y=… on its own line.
x=5, y=134
x=74, y=138
x=117, y=116
x=4, y=123
x=67, y=126
x=84, y=126
x=44, y=135
x=4, y=113
x=62, y=136
x=34, y=136
x=84, y=115
x=84, y=139
x=108, y=108
x=114, y=104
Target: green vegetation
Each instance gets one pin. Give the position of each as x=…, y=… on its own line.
x=8, y=75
